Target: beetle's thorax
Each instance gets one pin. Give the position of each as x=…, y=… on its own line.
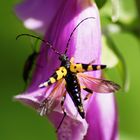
x=64, y=61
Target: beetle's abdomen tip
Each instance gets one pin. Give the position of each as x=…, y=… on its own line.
x=82, y=114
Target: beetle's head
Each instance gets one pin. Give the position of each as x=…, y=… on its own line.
x=63, y=57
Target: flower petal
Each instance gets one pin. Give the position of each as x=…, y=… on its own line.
x=32, y=13
x=85, y=46
x=102, y=117
x=71, y=128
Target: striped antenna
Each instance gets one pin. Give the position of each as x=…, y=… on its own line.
x=46, y=43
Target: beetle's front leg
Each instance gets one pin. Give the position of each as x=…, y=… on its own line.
x=63, y=109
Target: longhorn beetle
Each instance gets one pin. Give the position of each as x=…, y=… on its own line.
x=71, y=75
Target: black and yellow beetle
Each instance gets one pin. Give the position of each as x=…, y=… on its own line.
x=71, y=75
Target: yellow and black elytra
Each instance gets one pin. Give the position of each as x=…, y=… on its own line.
x=72, y=75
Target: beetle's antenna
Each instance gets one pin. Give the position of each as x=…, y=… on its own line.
x=46, y=43
x=74, y=30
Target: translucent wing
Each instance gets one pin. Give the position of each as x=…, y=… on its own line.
x=53, y=99
x=97, y=85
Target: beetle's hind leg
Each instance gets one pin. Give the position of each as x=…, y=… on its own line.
x=90, y=92
x=63, y=109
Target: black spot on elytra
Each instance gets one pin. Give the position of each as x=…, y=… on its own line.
x=55, y=76
x=62, y=71
x=75, y=67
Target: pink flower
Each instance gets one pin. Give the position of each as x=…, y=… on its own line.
x=57, y=20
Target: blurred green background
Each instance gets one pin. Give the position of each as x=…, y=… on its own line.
x=18, y=122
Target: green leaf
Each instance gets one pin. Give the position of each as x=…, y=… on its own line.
x=108, y=54
x=128, y=11
x=100, y=3
x=122, y=67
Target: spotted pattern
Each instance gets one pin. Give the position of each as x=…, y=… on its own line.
x=59, y=74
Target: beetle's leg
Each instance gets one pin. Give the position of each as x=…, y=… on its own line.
x=63, y=109
x=88, y=96
x=90, y=92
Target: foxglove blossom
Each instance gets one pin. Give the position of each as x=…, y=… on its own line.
x=57, y=20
